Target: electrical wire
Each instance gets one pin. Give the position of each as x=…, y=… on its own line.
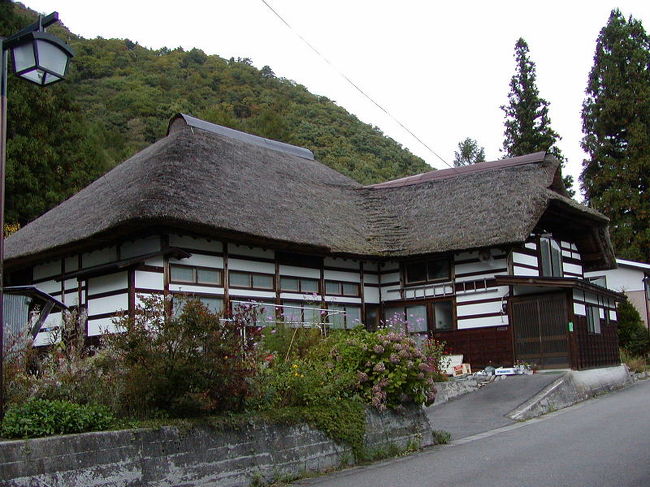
x=353, y=84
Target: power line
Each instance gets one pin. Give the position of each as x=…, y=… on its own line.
x=354, y=85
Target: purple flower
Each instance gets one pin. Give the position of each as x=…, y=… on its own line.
x=380, y=367
x=394, y=358
x=378, y=349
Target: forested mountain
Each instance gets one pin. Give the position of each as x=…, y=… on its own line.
x=119, y=96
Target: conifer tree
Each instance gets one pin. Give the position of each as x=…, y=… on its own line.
x=528, y=125
x=616, y=124
x=469, y=152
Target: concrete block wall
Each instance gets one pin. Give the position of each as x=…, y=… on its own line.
x=193, y=457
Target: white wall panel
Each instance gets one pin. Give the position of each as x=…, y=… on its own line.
x=477, y=309
x=343, y=263
x=101, y=326
x=71, y=263
x=573, y=268
x=48, y=269
x=500, y=320
x=371, y=295
x=187, y=288
x=142, y=246
x=342, y=276
x=195, y=243
x=251, y=293
x=99, y=257
x=200, y=260
x=109, y=304
x=250, y=251
x=110, y=282
x=149, y=280
x=524, y=259
x=523, y=271
x=290, y=270
x=251, y=266
x=49, y=287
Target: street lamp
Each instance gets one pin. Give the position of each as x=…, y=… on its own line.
x=41, y=58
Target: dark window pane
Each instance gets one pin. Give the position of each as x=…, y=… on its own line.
x=262, y=281
x=336, y=316
x=213, y=304
x=289, y=284
x=416, y=319
x=350, y=289
x=208, y=276
x=182, y=274
x=443, y=315
x=438, y=269
x=416, y=272
x=353, y=316
x=308, y=285
x=240, y=279
x=332, y=287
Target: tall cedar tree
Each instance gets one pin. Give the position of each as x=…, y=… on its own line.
x=51, y=151
x=469, y=152
x=616, y=123
x=528, y=126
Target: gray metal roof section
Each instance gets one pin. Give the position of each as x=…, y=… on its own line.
x=248, y=138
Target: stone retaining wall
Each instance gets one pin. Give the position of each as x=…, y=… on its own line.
x=197, y=456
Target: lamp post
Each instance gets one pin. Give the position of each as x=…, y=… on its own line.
x=41, y=58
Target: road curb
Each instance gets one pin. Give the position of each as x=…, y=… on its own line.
x=573, y=387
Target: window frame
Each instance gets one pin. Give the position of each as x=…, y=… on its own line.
x=430, y=312
x=251, y=280
x=594, y=325
x=300, y=280
x=195, y=275
x=546, y=257
x=341, y=288
x=425, y=263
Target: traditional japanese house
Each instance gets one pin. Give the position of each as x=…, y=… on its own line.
x=489, y=257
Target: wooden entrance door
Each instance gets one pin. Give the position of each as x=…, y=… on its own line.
x=540, y=330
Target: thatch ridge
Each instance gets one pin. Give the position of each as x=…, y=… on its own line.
x=217, y=185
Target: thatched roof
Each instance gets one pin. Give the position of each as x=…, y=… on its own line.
x=213, y=181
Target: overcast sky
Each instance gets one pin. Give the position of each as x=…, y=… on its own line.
x=441, y=68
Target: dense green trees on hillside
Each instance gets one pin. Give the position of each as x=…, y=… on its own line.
x=528, y=125
x=616, y=123
x=119, y=97
x=52, y=149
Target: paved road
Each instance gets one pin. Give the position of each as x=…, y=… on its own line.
x=486, y=409
x=604, y=442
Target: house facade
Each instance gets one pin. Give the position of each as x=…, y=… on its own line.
x=490, y=258
x=630, y=278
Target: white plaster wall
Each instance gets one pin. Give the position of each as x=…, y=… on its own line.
x=110, y=282
x=250, y=251
x=149, y=280
x=49, y=287
x=251, y=266
x=98, y=257
x=195, y=243
x=251, y=293
x=342, y=276
x=343, y=263
x=500, y=320
x=526, y=259
x=201, y=260
x=109, y=304
x=140, y=247
x=289, y=270
x=71, y=263
x=187, y=288
x=621, y=279
x=47, y=269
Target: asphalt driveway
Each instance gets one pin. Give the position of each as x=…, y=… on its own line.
x=486, y=408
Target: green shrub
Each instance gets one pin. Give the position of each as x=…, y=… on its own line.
x=633, y=336
x=183, y=365
x=45, y=418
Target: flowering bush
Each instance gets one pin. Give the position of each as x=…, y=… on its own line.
x=391, y=369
